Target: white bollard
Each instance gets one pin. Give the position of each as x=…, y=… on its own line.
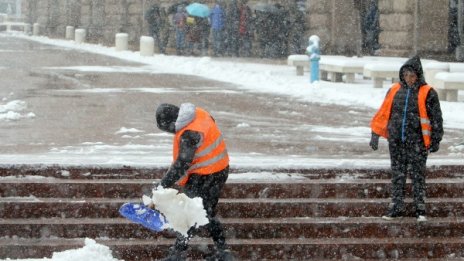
x=147, y=46
x=69, y=32
x=430, y=70
x=36, y=29
x=79, y=35
x=121, y=42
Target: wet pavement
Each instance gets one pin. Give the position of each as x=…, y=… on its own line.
x=76, y=107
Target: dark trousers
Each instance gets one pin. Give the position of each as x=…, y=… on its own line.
x=158, y=41
x=408, y=159
x=209, y=188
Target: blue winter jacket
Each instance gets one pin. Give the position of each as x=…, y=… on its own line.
x=217, y=18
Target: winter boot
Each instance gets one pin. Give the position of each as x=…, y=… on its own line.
x=392, y=214
x=220, y=255
x=420, y=216
x=175, y=255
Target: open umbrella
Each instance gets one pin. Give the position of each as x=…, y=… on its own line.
x=173, y=8
x=267, y=8
x=197, y=9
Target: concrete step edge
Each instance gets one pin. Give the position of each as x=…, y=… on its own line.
x=6, y=242
x=278, y=220
x=33, y=199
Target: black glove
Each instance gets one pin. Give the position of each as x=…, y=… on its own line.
x=434, y=147
x=374, y=143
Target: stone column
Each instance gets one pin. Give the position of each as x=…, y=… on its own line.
x=460, y=48
x=346, y=29
x=432, y=26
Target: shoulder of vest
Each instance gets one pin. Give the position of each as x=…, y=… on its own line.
x=426, y=86
x=396, y=85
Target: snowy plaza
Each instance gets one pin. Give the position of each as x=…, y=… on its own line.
x=72, y=105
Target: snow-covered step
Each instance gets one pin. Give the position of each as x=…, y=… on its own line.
x=235, y=188
x=438, y=248
x=320, y=214
x=33, y=207
x=241, y=228
x=126, y=172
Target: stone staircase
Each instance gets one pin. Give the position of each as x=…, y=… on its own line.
x=325, y=214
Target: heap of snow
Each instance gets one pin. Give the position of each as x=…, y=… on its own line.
x=91, y=251
x=180, y=211
x=12, y=111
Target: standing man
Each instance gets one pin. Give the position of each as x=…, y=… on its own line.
x=371, y=28
x=165, y=29
x=153, y=17
x=245, y=30
x=411, y=119
x=232, y=18
x=179, y=21
x=217, y=26
x=200, y=168
x=296, y=29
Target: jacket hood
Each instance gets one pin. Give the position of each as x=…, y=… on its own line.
x=186, y=115
x=415, y=64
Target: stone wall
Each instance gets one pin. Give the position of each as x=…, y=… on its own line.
x=397, y=22
x=408, y=26
x=337, y=23
x=413, y=27
x=432, y=26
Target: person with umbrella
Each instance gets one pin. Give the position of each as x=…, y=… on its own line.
x=197, y=26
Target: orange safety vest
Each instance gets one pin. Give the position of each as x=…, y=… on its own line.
x=211, y=156
x=379, y=123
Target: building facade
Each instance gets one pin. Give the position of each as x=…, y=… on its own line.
x=407, y=27
x=11, y=7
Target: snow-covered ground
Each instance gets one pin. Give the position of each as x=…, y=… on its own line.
x=260, y=77
x=251, y=76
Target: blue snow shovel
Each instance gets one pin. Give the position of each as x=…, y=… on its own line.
x=143, y=215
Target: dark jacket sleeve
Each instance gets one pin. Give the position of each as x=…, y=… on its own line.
x=188, y=144
x=435, y=115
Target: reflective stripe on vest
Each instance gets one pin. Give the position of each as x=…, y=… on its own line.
x=210, y=148
x=379, y=123
x=211, y=155
x=424, y=118
x=208, y=162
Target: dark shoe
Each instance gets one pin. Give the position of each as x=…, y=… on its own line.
x=392, y=214
x=421, y=218
x=220, y=255
x=420, y=215
x=175, y=255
